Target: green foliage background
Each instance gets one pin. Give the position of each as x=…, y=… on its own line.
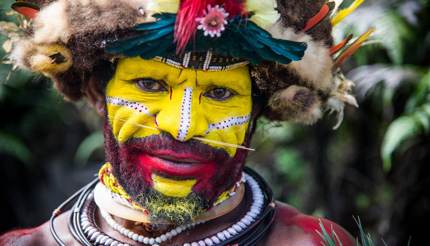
x=374, y=167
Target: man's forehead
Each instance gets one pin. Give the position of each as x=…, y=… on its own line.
x=136, y=67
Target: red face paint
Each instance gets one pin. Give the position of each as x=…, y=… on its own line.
x=135, y=161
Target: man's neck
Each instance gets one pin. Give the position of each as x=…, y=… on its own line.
x=105, y=202
x=221, y=216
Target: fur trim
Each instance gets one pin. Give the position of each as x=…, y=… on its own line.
x=296, y=13
x=100, y=16
x=51, y=60
x=340, y=97
x=297, y=104
x=22, y=49
x=47, y=59
x=315, y=68
x=62, y=19
x=50, y=25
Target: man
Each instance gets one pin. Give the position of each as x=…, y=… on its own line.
x=180, y=85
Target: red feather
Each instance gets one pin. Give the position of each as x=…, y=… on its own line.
x=234, y=7
x=320, y=16
x=186, y=25
x=334, y=49
x=190, y=10
x=29, y=10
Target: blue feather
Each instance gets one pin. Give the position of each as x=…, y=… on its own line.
x=241, y=39
x=130, y=43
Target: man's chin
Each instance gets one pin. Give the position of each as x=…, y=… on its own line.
x=174, y=210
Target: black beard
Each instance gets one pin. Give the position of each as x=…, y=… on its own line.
x=171, y=209
x=174, y=210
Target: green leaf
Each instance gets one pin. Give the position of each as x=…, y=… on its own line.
x=289, y=162
x=402, y=129
x=399, y=130
x=421, y=93
x=13, y=146
x=395, y=32
x=87, y=147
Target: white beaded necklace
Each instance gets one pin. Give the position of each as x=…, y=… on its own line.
x=250, y=216
x=142, y=239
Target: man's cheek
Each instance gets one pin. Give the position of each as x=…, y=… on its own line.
x=127, y=124
x=231, y=136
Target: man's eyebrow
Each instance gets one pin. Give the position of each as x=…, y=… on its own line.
x=227, y=82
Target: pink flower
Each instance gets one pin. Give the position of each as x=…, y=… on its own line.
x=213, y=22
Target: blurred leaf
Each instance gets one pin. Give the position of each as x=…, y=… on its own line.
x=422, y=94
x=396, y=31
x=90, y=144
x=362, y=201
x=403, y=129
x=13, y=146
x=367, y=77
x=289, y=162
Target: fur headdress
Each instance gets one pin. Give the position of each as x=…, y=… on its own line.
x=287, y=44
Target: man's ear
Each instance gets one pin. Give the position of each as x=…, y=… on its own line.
x=257, y=111
x=96, y=85
x=101, y=108
x=94, y=93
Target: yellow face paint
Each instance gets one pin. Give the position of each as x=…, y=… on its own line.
x=188, y=105
x=173, y=188
x=146, y=98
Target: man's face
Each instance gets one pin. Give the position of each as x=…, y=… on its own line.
x=164, y=131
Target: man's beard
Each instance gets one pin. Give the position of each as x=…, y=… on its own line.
x=136, y=181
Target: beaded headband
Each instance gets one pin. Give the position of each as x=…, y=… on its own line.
x=206, y=61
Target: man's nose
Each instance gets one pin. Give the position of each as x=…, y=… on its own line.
x=182, y=116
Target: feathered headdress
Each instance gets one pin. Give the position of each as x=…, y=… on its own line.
x=287, y=44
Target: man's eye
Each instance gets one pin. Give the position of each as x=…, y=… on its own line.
x=151, y=85
x=219, y=94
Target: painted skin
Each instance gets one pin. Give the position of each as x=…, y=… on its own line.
x=290, y=226
x=148, y=98
x=167, y=106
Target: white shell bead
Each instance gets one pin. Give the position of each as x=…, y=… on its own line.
x=215, y=239
x=232, y=231
x=221, y=236
x=209, y=242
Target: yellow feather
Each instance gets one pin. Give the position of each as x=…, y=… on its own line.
x=337, y=4
x=345, y=12
x=265, y=13
x=163, y=6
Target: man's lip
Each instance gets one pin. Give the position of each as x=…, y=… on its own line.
x=184, y=157
x=178, y=159
x=173, y=165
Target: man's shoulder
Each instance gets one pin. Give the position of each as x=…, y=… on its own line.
x=291, y=227
x=32, y=236
x=39, y=235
